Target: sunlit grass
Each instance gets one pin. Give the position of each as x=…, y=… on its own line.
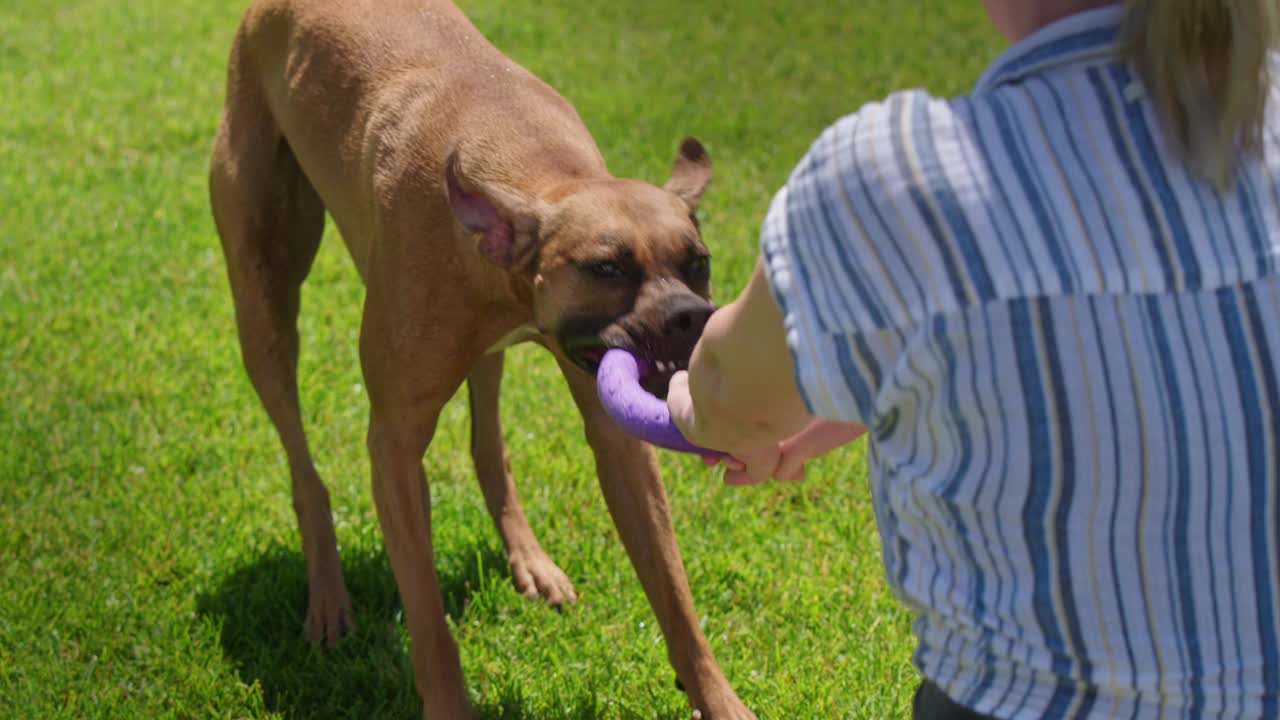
x=149, y=562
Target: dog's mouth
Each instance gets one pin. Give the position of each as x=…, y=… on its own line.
x=658, y=361
x=586, y=352
x=657, y=369
x=661, y=336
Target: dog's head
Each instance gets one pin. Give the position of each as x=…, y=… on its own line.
x=611, y=263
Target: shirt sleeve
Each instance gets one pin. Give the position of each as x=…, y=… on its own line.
x=814, y=250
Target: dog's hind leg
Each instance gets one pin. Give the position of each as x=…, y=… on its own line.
x=270, y=220
x=532, y=570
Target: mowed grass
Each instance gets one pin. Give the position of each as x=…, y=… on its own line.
x=149, y=560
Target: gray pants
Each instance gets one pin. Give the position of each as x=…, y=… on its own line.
x=931, y=703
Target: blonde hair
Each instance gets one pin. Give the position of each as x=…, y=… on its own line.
x=1206, y=64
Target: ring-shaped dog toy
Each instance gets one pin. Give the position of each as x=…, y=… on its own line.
x=637, y=410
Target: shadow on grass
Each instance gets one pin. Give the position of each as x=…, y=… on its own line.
x=260, y=608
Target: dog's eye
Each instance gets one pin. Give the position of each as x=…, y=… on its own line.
x=699, y=268
x=606, y=269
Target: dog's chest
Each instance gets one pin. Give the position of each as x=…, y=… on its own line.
x=515, y=337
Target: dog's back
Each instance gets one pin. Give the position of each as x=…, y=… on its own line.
x=395, y=84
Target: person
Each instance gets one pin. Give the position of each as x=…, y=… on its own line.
x=1053, y=305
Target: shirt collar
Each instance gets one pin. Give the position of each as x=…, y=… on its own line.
x=1088, y=35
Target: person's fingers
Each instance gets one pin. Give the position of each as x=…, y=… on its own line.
x=760, y=463
x=751, y=467
x=791, y=464
x=739, y=477
x=819, y=438
x=761, y=473
x=727, y=460
x=791, y=469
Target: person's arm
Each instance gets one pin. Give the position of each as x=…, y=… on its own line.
x=739, y=394
x=743, y=391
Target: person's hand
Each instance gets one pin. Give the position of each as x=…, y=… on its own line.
x=748, y=467
x=744, y=468
x=785, y=461
x=819, y=438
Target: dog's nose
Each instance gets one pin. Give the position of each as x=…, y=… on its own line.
x=685, y=318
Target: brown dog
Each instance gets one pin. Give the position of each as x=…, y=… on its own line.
x=479, y=213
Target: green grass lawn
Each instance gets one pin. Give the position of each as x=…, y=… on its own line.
x=149, y=561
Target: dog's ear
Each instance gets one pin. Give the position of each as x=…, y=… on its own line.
x=690, y=173
x=506, y=220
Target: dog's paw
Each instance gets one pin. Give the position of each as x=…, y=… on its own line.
x=734, y=711
x=723, y=705
x=536, y=575
x=329, y=616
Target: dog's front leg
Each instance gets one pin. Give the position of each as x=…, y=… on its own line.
x=637, y=501
x=403, y=501
x=411, y=369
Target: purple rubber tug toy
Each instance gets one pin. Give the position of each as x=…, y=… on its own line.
x=634, y=408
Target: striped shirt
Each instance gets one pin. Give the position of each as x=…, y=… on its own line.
x=1065, y=347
